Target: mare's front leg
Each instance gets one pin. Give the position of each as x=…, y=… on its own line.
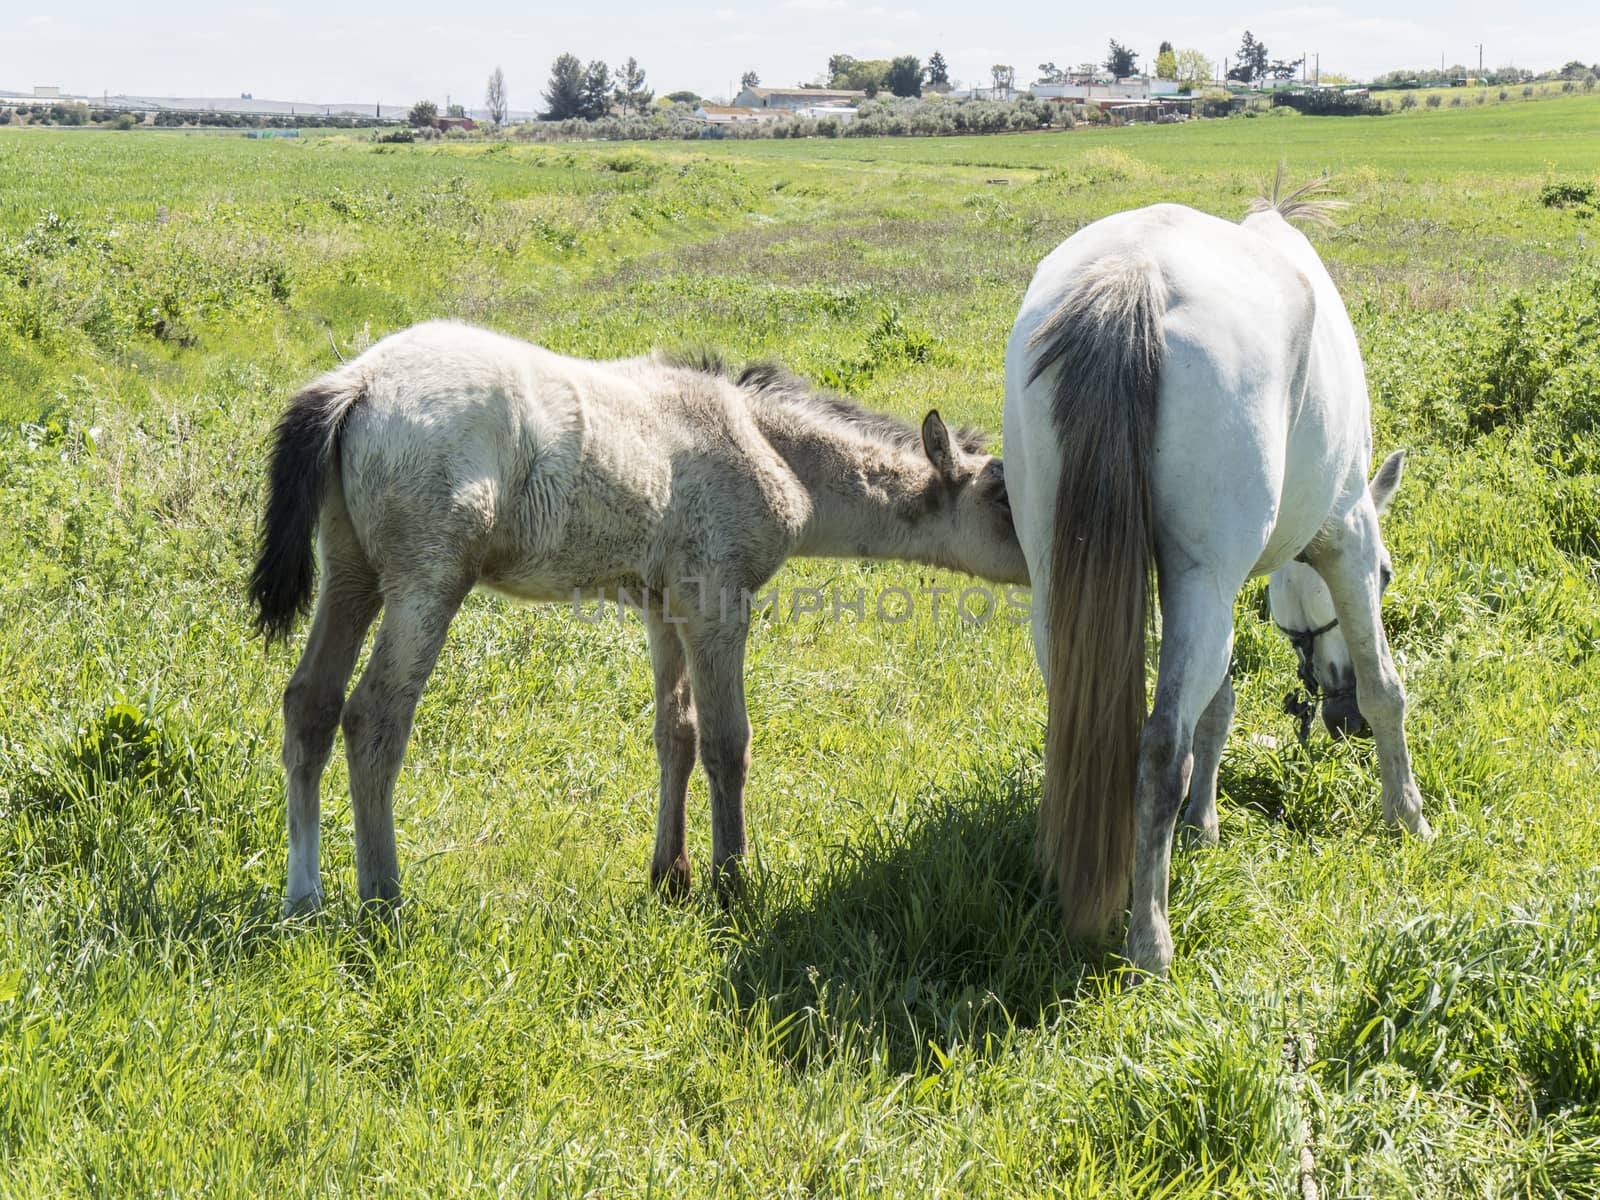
x=377, y=725
x=675, y=737
x=716, y=673
x=1350, y=563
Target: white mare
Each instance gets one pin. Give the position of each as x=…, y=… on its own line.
x=1185, y=394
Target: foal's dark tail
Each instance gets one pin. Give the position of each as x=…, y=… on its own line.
x=304, y=448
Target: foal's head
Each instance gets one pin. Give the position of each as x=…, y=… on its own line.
x=1302, y=607
x=968, y=497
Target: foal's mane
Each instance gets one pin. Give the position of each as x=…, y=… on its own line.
x=1305, y=203
x=770, y=383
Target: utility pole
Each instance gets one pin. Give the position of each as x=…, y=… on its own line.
x=1480, y=60
x=1319, y=69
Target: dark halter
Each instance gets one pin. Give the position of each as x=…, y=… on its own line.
x=1303, y=706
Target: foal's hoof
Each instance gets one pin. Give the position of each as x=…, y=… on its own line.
x=381, y=911
x=729, y=882
x=301, y=906
x=672, y=881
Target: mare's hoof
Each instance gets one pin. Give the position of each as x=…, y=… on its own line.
x=1197, y=837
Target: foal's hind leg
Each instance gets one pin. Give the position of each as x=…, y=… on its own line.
x=1197, y=635
x=1350, y=562
x=311, y=704
x=675, y=738
x=377, y=724
x=1210, y=735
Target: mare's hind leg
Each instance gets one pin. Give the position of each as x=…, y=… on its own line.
x=1197, y=637
x=675, y=737
x=377, y=724
x=1210, y=734
x=1349, y=562
x=716, y=673
x=347, y=604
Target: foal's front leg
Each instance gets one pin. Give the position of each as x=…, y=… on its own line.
x=716, y=672
x=675, y=738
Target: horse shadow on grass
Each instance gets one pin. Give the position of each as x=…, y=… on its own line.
x=933, y=929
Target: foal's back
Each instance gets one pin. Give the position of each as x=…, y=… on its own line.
x=476, y=457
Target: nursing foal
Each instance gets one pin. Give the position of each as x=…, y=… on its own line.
x=448, y=457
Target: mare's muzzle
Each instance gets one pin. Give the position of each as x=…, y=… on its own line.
x=1340, y=713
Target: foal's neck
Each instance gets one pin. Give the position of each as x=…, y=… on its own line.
x=870, y=498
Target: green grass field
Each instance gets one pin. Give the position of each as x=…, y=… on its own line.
x=893, y=1011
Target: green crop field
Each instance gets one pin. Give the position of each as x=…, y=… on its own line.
x=892, y=1011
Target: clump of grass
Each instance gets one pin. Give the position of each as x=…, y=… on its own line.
x=1504, y=1011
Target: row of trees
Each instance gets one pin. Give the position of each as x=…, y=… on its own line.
x=589, y=92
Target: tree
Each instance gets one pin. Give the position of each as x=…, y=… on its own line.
x=596, y=90
x=1166, y=62
x=456, y=110
x=1005, y=77
x=1193, y=66
x=494, y=97
x=692, y=99
x=563, y=97
x=1281, y=69
x=1252, y=60
x=1050, y=73
x=938, y=71
x=631, y=94
x=749, y=80
x=1121, y=61
x=868, y=75
x=422, y=113
x=904, y=77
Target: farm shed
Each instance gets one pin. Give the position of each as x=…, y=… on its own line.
x=794, y=99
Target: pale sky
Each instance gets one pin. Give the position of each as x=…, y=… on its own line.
x=402, y=50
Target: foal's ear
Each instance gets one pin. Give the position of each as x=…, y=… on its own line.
x=1387, y=480
x=936, y=444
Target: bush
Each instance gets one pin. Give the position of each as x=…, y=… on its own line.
x=1407, y=102
x=1434, y=100
x=1568, y=193
x=1327, y=103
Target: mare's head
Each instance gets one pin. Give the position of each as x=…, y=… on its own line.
x=1302, y=607
x=968, y=499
